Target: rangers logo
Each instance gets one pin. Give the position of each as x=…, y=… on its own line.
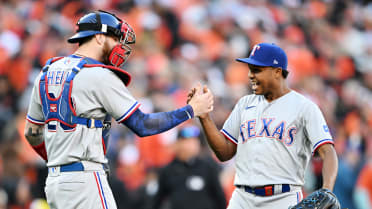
x=256, y=47
x=53, y=107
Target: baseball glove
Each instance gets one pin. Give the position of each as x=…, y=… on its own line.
x=320, y=199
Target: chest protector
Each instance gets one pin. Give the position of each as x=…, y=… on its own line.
x=61, y=108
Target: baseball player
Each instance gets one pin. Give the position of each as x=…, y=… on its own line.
x=272, y=133
x=71, y=106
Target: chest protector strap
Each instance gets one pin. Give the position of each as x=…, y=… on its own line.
x=61, y=108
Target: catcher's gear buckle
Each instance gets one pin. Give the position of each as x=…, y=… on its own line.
x=91, y=123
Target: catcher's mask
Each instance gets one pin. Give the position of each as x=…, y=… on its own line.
x=102, y=22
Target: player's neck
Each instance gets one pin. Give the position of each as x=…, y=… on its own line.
x=86, y=51
x=271, y=96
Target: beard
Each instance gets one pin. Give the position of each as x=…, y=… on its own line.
x=106, y=54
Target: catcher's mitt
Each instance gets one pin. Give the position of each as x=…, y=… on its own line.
x=320, y=199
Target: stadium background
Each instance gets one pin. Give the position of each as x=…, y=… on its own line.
x=179, y=42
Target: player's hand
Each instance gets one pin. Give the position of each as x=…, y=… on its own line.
x=201, y=101
x=322, y=198
x=190, y=94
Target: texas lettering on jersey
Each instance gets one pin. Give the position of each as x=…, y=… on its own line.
x=269, y=129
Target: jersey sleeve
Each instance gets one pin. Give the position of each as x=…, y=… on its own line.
x=231, y=126
x=115, y=97
x=35, y=112
x=316, y=127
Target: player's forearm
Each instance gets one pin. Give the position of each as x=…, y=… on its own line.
x=35, y=136
x=330, y=165
x=154, y=123
x=34, y=133
x=223, y=148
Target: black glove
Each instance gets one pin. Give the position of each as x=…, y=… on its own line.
x=320, y=199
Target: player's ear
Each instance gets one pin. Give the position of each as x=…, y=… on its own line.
x=100, y=38
x=278, y=72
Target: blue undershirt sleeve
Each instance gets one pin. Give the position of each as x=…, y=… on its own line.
x=154, y=123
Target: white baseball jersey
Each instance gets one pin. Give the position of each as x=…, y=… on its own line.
x=275, y=139
x=96, y=92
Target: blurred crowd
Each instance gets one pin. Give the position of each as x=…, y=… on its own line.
x=180, y=42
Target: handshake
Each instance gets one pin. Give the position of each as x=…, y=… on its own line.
x=201, y=100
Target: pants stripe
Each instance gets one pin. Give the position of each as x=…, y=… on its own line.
x=299, y=196
x=100, y=190
x=103, y=194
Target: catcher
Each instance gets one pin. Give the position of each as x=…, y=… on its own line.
x=71, y=106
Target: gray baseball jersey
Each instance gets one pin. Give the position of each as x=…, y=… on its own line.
x=96, y=92
x=275, y=140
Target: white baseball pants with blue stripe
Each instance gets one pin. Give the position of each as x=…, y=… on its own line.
x=79, y=190
x=241, y=199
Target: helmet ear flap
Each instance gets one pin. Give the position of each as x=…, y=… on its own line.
x=119, y=55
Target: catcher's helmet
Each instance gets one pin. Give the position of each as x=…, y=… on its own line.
x=102, y=22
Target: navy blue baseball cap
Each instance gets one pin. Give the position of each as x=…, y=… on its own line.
x=266, y=55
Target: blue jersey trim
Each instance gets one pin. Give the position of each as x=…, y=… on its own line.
x=35, y=120
x=131, y=109
x=229, y=135
x=321, y=141
x=74, y=56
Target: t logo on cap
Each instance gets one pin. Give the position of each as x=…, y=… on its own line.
x=266, y=55
x=254, y=49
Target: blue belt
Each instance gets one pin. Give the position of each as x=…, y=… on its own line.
x=265, y=190
x=78, y=166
